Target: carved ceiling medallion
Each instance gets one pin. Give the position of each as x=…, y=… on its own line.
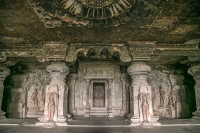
x=97, y=13
x=96, y=9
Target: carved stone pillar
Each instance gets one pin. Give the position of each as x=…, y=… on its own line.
x=110, y=106
x=58, y=89
x=72, y=79
x=125, y=104
x=178, y=95
x=18, y=106
x=86, y=98
x=140, y=96
x=195, y=72
x=4, y=72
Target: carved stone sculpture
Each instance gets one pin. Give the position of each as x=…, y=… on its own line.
x=144, y=98
x=34, y=98
x=162, y=96
x=52, y=105
x=171, y=102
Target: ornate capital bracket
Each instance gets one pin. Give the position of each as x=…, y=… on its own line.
x=142, y=51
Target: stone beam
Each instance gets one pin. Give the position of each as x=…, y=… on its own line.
x=132, y=51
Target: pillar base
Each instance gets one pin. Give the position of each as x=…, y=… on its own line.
x=61, y=121
x=135, y=121
x=132, y=120
x=154, y=121
x=2, y=115
x=196, y=115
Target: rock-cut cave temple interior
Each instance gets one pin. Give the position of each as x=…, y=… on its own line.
x=138, y=59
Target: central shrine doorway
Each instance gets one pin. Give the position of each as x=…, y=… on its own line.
x=98, y=98
x=98, y=94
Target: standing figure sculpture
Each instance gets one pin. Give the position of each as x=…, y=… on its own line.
x=144, y=106
x=52, y=98
x=171, y=102
x=162, y=96
x=34, y=98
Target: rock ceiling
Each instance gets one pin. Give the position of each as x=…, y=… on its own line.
x=168, y=23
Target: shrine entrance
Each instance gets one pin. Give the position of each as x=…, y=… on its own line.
x=98, y=98
x=98, y=94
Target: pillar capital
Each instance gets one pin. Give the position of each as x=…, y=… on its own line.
x=58, y=68
x=138, y=72
x=138, y=68
x=58, y=72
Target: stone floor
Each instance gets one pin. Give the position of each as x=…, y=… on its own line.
x=100, y=125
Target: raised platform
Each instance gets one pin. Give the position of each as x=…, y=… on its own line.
x=80, y=121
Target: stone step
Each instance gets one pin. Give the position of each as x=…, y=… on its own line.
x=98, y=109
x=98, y=113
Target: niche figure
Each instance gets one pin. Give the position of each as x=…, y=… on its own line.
x=162, y=96
x=171, y=103
x=52, y=98
x=144, y=97
x=34, y=98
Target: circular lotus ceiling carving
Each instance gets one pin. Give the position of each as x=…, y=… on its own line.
x=96, y=9
x=96, y=13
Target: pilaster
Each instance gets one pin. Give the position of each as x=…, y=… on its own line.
x=4, y=72
x=195, y=72
x=72, y=79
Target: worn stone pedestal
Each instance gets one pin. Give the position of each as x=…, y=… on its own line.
x=2, y=115
x=133, y=120
x=196, y=115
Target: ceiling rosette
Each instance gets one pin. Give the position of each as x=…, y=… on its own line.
x=97, y=9
x=96, y=13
